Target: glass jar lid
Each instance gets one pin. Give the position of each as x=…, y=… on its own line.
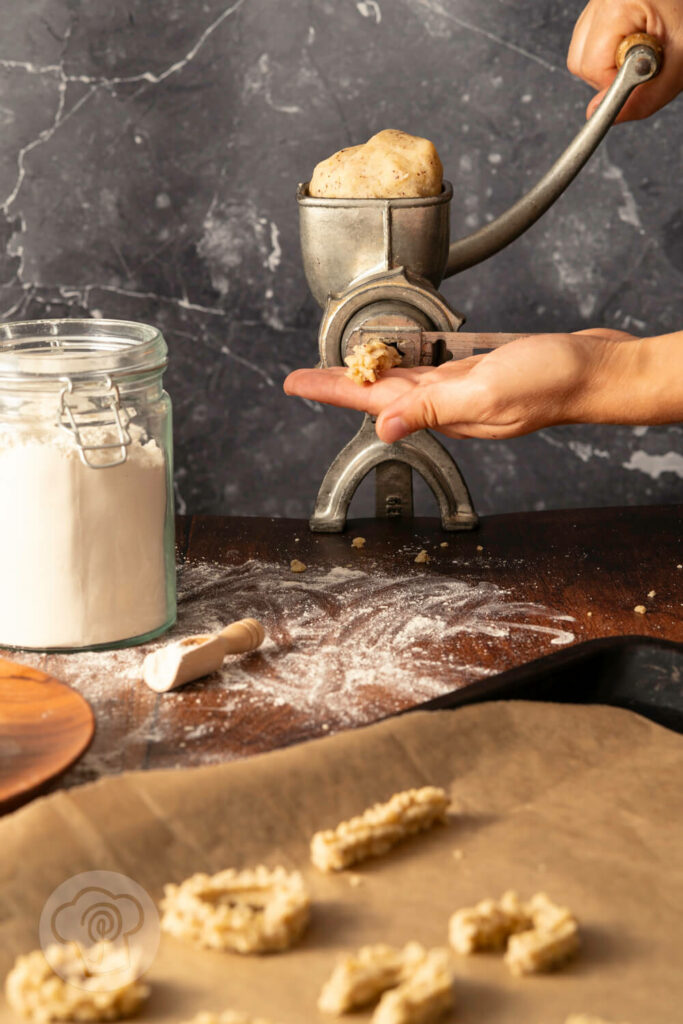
x=44, y=352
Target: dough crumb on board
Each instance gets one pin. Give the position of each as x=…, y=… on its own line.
x=390, y=165
x=640, y=609
x=539, y=934
x=379, y=828
x=296, y=566
x=425, y=996
x=422, y=557
x=227, y=1017
x=652, y=593
x=257, y=910
x=358, y=542
x=366, y=362
x=443, y=544
x=37, y=992
x=360, y=978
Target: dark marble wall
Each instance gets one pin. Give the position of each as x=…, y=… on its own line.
x=149, y=154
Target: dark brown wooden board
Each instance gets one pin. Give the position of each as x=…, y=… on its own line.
x=594, y=565
x=44, y=727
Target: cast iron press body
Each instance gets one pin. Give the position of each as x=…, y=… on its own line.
x=375, y=266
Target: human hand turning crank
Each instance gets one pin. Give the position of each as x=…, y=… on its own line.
x=599, y=29
x=597, y=376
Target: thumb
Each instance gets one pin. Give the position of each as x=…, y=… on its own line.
x=427, y=406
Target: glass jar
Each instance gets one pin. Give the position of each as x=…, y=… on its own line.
x=87, y=554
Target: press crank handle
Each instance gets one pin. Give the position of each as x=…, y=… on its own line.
x=437, y=347
x=418, y=347
x=639, y=58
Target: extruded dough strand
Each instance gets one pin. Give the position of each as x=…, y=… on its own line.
x=365, y=362
x=254, y=911
x=552, y=940
x=425, y=996
x=37, y=992
x=227, y=1017
x=361, y=978
x=535, y=950
x=379, y=828
x=488, y=925
x=540, y=935
x=582, y=1018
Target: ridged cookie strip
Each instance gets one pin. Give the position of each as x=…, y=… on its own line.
x=36, y=992
x=546, y=915
x=361, y=978
x=425, y=996
x=553, y=939
x=254, y=911
x=378, y=828
x=488, y=925
x=582, y=1018
x=227, y=1017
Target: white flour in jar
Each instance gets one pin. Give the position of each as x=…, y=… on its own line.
x=81, y=549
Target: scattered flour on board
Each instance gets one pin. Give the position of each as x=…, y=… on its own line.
x=335, y=639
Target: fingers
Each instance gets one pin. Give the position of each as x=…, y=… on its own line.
x=652, y=96
x=599, y=30
x=594, y=44
x=332, y=386
x=391, y=391
x=647, y=99
x=578, y=41
x=607, y=333
x=447, y=404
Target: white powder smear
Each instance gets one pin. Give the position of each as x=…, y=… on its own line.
x=81, y=549
x=337, y=640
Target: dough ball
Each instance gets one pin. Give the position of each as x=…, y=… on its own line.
x=390, y=165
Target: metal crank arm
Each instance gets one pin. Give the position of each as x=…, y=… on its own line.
x=436, y=347
x=431, y=348
x=639, y=59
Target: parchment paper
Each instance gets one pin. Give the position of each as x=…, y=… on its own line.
x=585, y=803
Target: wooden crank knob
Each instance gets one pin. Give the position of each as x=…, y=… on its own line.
x=639, y=39
x=243, y=636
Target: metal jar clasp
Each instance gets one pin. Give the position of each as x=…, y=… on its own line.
x=120, y=422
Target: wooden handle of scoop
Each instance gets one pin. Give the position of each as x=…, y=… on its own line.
x=243, y=636
x=198, y=656
x=637, y=39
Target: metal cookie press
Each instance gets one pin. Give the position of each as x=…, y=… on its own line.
x=375, y=266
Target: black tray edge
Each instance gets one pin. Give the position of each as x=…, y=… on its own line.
x=538, y=680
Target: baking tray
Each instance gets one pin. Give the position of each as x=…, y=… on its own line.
x=637, y=673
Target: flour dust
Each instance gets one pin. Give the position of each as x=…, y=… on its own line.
x=337, y=641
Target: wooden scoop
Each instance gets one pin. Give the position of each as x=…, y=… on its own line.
x=198, y=656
